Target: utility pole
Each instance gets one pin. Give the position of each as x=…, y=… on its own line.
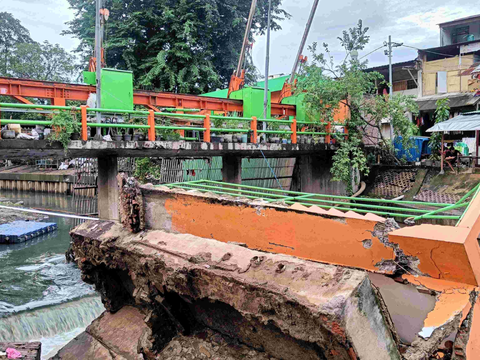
x=267, y=63
x=390, y=73
x=98, y=56
x=390, y=79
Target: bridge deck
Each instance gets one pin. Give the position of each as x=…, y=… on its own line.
x=35, y=149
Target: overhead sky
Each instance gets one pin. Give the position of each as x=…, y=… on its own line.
x=413, y=22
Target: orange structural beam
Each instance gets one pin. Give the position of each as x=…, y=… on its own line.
x=59, y=92
x=253, y=127
x=206, y=125
x=84, y=122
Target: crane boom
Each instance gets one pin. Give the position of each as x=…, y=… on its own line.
x=238, y=77
x=245, y=38
x=304, y=39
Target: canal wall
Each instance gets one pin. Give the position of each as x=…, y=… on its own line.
x=32, y=179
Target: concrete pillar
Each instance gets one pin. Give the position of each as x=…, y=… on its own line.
x=232, y=169
x=312, y=174
x=108, y=197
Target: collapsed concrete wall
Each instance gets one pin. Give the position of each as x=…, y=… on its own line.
x=343, y=238
x=274, y=304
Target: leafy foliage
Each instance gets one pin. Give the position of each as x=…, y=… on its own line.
x=189, y=46
x=22, y=57
x=325, y=86
x=12, y=33
x=42, y=62
x=442, y=113
x=64, y=124
x=145, y=168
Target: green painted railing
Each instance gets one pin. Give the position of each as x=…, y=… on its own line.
x=415, y=210
x=151, y=126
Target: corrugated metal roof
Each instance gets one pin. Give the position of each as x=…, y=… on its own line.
x=472, y=17
x=395, y=65
x=455, y=100
x=464, y=122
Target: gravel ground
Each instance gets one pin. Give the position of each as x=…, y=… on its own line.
x=208, y=344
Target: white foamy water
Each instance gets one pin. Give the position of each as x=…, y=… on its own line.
x=54, y=326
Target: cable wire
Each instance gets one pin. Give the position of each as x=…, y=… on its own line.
x=371, y=52
x=273, y=172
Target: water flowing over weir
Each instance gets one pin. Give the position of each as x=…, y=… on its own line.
x=42, y=297
x=43, y=324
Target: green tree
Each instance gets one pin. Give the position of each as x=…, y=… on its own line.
x=11, y=34
x=328, y=85
x=42, y=62
x=189, y=46
x=442, y=113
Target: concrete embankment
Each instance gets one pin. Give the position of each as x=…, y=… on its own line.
x=182, y=286
x=31, y=178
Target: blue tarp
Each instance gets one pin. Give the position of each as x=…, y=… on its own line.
x=19, y=231
x=414, y=153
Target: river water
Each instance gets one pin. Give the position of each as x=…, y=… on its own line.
x=42, y=297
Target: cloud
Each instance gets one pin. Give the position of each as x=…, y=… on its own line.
x=413, y=22
x=44, y=19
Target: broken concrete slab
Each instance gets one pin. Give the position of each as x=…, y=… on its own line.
x=453, y=305
x=84, y=347
x=287, y=307
x=110, y=336
x=329, y=237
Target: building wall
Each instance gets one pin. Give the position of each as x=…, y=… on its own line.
x=446, y=32
x=453, y=66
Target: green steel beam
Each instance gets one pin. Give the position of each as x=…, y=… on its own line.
x=178, y=128
x=375, y=212
x=229, y=130
x=274, y=132
x=468, y=207
x=240, y=193
x=235, y=118
x=25, y=122
x=335, y=196
x=467, y=195
x=447, y=208
x=120, y=126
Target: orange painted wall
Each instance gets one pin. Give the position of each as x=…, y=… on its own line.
x=471, y=221
x=438, y=259
x=308, y=236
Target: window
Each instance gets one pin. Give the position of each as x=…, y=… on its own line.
x=411, y=84
x=460, y=34
x=441, y=82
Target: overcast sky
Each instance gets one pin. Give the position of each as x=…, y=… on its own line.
x=413, y=22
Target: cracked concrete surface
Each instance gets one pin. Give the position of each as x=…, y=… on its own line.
x=280, y=305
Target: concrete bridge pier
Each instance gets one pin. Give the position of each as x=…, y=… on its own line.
x=312, y=174
x=232, y=169
x=108, y=194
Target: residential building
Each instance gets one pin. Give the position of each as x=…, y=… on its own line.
x=451, y=70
